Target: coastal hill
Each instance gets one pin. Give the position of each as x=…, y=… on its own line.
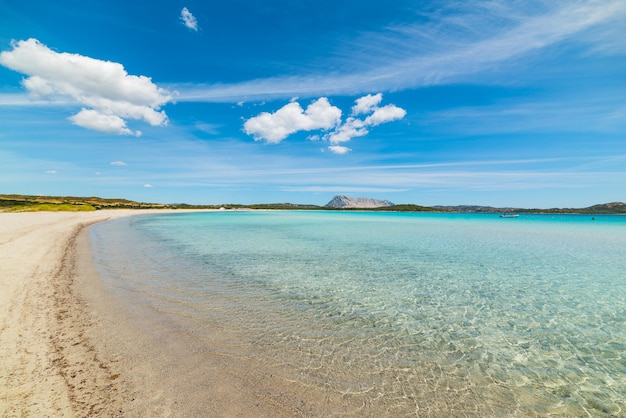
x=25, y=203
x=475, y=209
x=21, y=203
x=613, y=207
x=605, y=208
x=345, y=202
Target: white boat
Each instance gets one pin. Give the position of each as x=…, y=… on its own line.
x=509, y=215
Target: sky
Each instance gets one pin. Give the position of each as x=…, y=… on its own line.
x=492, y=102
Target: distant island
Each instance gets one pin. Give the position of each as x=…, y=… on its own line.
x=24, y=203
x=345, y=202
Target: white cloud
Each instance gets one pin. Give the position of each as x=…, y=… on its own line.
x=291, y=118
x=110, y=94
x=92, y=119
x=52, y=172
x=188, y=19
x=148, y=186
x=365, y=104
x=354, y=127
x=118, y=163
x=37, y=86
x=351, y=128
x=338, y=149
x=384, y=114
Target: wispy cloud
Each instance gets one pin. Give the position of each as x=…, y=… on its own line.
x=344, y=189
x=118, y=163
x=460, y=177
x=597, y=113
x=110, y=95
x=209, y=128
x=291, y=118
x=188, y=19
x=21, y=99
x=357, y=179
x=460, y=44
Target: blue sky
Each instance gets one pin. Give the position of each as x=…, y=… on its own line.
x=500, y=103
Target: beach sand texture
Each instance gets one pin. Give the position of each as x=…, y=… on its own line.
x=66, y=349
x=46, y=368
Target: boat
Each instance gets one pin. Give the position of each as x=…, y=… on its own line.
x=509, y=215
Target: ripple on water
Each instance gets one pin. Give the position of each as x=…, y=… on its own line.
x=420, y=314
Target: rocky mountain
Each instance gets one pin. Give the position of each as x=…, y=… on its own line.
x=346, y=202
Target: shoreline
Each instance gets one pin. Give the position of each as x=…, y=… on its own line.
x=68, y=347
x=47, y=366
x=74, y=343
x=33, y=258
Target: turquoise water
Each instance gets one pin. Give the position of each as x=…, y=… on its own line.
x=396, y=314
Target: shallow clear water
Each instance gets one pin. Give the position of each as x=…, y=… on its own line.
x=396, y=313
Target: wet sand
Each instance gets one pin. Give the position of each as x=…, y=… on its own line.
x=69, y=348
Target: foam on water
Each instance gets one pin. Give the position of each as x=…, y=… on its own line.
x=396, y=313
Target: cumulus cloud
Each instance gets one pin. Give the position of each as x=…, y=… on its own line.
x=354, y=127
x=92, y=119
x=110, y=95
x=188, y=19
x=388, y=113
x=366, y=104
x=291, y=118
x=351, y=128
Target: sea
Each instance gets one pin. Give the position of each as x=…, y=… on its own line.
x=394, y=314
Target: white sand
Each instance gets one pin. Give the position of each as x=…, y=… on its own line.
x=67, y=347
x=39, y=374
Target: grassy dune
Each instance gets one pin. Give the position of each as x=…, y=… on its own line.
x=23, y=203
x=48, y=207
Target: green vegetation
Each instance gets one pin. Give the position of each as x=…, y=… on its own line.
x=47, y=207
x=394, y=208
x=21, y=203
x=614, y=208
x=275, y=206
x=408, y=208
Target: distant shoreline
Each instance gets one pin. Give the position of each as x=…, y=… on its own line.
x=26, y=203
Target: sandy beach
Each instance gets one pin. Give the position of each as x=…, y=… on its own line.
x=67, y=349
